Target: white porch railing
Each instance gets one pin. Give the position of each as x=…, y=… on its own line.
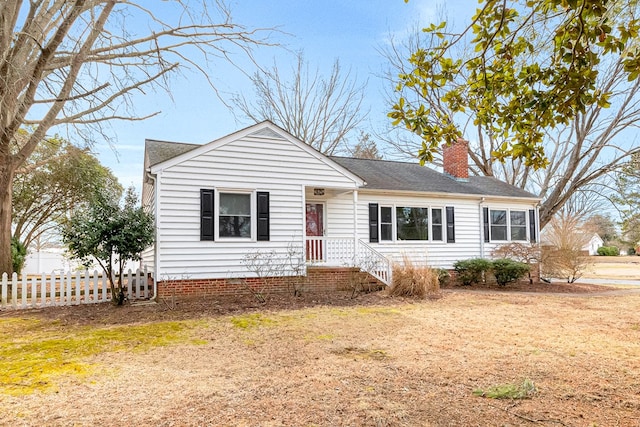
x=333, y=251
x=67, y=289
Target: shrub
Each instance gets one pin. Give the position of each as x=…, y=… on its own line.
x=18, y=255
x=443, y=276
x=631, y=251
x=608, y=251
x=410, y=280
x=470, y=271
x=507, y=270
x=528, y=253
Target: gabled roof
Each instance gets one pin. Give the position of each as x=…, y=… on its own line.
x=377, y=174
x=403, y=176
x=162, y=154
x=160, y=151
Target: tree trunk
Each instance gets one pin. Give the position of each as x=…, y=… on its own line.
x=6, y=187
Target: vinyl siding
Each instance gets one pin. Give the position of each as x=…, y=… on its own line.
x=149, y=205
x=468, y=227
x=251, y=163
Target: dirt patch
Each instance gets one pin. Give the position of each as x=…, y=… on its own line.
x=332, y=360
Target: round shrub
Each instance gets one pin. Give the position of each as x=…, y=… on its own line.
x=470, y=271
x=507, y=270
x=608, y=251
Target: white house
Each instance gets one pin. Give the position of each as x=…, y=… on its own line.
x=594, y=242
x=262, y=190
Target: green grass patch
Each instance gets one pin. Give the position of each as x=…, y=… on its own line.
x=508, y=391
x=253, y=320
x=33, y=354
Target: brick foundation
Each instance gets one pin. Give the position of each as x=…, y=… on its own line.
x=318, y=279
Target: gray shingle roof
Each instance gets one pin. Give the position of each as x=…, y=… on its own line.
x=160, y=151
x=402, y=176
x=378, y=174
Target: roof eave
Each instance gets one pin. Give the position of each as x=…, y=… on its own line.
x=453, y=195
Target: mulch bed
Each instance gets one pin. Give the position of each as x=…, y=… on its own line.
x=525, y=286
x=194, y=308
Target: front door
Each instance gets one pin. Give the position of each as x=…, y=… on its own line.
x=315, y=231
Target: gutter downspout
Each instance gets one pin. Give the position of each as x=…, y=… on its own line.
x=539, y=240
x=480, y=206
x=355, y=228
x=155, y=237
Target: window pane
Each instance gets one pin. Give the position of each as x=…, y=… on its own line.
x=518, y=233
x=436, y=216
x=437, y=232
x=412, y=223
x=235, y=226
x=518, y=218
x=235, y=204
x=498, y=232
x=385, y=232
x=498, y=217
x=385, y=215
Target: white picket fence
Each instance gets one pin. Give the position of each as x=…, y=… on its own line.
x=68, y=289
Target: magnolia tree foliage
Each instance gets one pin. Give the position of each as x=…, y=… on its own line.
x=542, y=84
x=78, y=64
x=110, y=234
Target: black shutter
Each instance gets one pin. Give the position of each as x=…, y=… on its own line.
x=533, y=236
x=451, y=225
x=263, y=215
x=206, y=215
x=373, y=222
x=485, y=218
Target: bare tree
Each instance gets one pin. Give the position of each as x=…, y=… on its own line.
x=366, y=148
x=583, y=154
x=319, y=111
x=79, y=63
x=562, y=246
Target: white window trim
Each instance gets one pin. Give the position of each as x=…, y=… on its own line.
x=526, y=225
x=508, y=214
x=443, y=224
x=394, y=223
x=253, y=211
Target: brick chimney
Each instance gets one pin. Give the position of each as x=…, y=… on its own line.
x=455, y=159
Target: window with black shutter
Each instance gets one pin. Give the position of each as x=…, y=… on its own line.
x=206, y=214
x=263, y=215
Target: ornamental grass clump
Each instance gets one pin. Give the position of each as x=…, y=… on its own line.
x=414, y=281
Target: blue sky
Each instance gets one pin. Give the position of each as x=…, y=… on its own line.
x=352, y=31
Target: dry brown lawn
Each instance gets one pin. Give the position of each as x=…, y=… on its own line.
x=375, y=361
x=620, y=267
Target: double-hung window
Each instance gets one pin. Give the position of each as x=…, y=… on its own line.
x=436, y=224
x=234, y=217
x=518, y=222
x=386, y=223
x=506, y=225
x=498, y=224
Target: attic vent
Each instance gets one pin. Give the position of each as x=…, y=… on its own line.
x=267, y=133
